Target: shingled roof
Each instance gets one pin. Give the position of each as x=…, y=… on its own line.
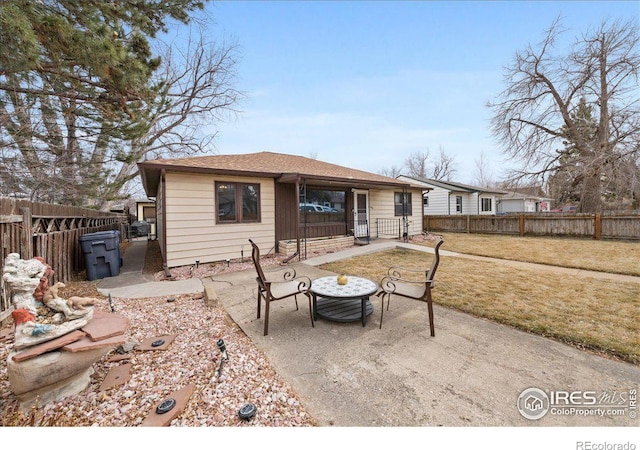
x=282, y=167
x=454, y=187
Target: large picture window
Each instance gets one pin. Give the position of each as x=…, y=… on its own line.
x=402, y=204
x=237, y=202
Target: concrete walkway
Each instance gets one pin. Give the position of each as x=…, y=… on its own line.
x=470, y=374
x=133, y=283
x=383, y=244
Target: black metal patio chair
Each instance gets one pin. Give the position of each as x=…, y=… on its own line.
x=289, y=285
x=399, y=281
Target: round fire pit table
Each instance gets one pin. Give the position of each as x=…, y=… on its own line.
x=342, y=302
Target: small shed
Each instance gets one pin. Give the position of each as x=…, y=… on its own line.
x=146, y=212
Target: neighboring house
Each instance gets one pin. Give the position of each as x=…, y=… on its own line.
x=449, y=198
x=208, y=207
x=514, y=202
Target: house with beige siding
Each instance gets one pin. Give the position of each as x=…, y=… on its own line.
x=208, y=207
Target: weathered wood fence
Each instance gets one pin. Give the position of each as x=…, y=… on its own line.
x=51, y=232
x=623, y=225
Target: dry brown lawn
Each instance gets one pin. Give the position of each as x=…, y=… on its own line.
x=602, y=256
x=599, y=315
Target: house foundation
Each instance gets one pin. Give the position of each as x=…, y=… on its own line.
x=289, y=247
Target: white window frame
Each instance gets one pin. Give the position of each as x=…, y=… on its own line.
x=484, y=200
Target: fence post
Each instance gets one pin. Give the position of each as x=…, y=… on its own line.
x=26, y=239
x=597, y=227
x=468, y=224
x=521, y=224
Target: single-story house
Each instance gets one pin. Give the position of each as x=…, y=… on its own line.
x=208, y=207
x=449, y=198
x=515, y=202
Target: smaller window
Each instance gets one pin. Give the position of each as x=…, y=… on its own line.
x=425, y=201
x=402, y=204
x=149, y=214
x=486, y=205
x=459, y=203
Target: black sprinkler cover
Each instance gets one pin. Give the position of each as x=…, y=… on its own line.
x=166, y=406
x=247, y=411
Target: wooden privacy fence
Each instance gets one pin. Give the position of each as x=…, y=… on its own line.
x=623, y=225
x=51, y=232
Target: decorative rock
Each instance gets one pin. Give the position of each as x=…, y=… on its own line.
x=85, y=344
x=39, y=373
x=105, y=325
x=25, y=278
x=51, y=376
x=126, y=347
x=48, y=346
x=33, y=333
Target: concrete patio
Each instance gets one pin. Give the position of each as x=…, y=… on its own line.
x=470, y=374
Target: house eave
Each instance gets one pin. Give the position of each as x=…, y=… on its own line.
x=150, y=175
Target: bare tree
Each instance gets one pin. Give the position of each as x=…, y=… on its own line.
x=443, y=167
x=538, y=117
x=198, y=93
x=416, y=164
x=421, y=165
x=483, y=173
x=391, y=172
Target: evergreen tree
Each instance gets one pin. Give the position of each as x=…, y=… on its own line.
x=79, y=86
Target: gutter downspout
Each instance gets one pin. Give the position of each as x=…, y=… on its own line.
x=167, y=273
x=298, y=216
x=405, y=218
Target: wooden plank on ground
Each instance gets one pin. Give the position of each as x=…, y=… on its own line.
x=147, y=344
x=162, y=420
x=119, y=357
x=117, y=376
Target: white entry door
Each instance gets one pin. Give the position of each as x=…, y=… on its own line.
x=361, y=213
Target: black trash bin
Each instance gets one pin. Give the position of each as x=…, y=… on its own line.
x=101, y=252
x=140, y=228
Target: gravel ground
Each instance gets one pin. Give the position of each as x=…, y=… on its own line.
x=193, y=358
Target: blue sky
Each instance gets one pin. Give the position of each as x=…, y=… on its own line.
x=365, y=84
